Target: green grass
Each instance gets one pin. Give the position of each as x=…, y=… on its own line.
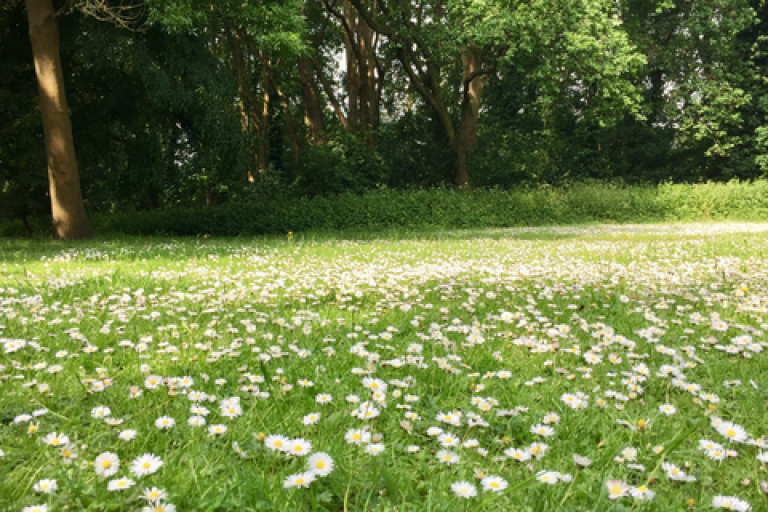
x=434, y=212
x=218, y=302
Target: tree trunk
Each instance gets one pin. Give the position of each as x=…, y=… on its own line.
x=262, y=142
x=315, y=119
x=69, y=219
x=289, y=126
x=366, y=81
x=353, y=78
x=470, y=110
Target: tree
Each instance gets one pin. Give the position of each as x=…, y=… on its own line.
x=434, y=38
x=69, y=219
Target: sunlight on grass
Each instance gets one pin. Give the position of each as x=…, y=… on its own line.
x=589, y=368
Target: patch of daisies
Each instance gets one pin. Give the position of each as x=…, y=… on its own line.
x=267, y=329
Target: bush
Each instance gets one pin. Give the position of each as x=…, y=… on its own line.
x=448, y=208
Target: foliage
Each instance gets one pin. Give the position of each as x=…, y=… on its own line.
x=446, y=208
x=204, y=107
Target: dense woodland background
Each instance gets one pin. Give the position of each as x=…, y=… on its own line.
x=185, y=103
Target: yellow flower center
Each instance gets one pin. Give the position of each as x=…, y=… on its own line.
x=299, y=481
x=146, y=465
x=106, y=464
x=320, y=464
x=615, y=489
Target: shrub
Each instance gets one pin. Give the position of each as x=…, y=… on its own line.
x=448, y=208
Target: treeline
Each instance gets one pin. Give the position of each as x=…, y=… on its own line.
x=190, y=103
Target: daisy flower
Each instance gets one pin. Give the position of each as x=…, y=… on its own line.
x=217, y=430
x=100, y=412
x=493, y=483
x=582, y=461
x=629, y=453
x=106, y=464
x=55, y=439
x=196, y=421
x=642, y=493
x=446, y=440
x=160, y=507
x=519, y=454
x=146, y=464
x=35, y=508
x=543, y=430
x=447, y=457
x=374, y=449
x=199, y=410
x=434, y=431
x=667, y=409
x=120, y=484
x=165, y=422
x=311, y=418
x=127, y=435
x=154, y=494
x=538, y=450
x=357, y=436
x=734, y=433
x=548, y=477
x=299, y=480
x=276, y=442
x=46, y=486
x=464, y=489
x=617, y=489
x=68, y=453
x=675, y=473
x=320, y=463
x=730, y=503
x=298, y=447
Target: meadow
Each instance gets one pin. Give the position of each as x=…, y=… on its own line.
x=532, y=369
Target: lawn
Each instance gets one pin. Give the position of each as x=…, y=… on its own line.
x=532, y=369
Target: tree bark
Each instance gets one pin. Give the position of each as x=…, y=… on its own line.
x=262, y=142
x=69, y=219
x=315, y=119
x=474, y=83
x=353, y=78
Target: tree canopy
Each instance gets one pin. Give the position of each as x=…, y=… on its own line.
x=184, y=102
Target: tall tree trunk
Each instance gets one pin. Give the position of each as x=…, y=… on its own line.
x=353, y=78
x=470, y=110
x=289, y=126
x=315, y=119
x=328, y=89
x=366, y=81
x=69, y=219
x=262, y=142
